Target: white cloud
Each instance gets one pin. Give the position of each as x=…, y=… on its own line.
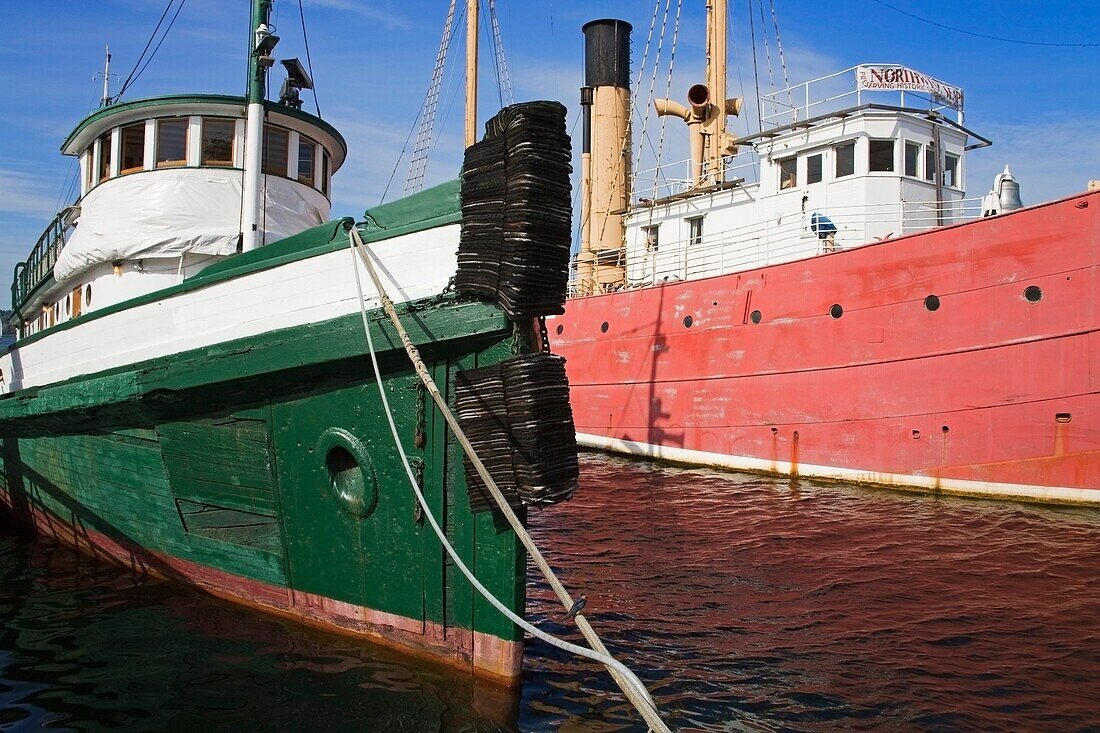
x=27, y=195
x=1049, y=156
x=388, y=19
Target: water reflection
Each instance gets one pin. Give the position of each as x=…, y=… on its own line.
x=746, y=603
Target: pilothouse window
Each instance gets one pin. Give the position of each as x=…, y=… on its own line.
x=845, y=159
x=912, y=158
x=171, y=143
x=217, y=142
x=788, y=173
x=276, y=146
x=880, y=156
x=951, y=171
x=104, y=157
x=307, y=156
x=813, y=168
x=133, y=148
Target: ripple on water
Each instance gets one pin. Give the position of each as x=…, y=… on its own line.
x=746, y=603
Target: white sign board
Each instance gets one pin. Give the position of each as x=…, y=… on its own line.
x=902, y=79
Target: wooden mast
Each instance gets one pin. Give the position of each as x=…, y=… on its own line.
x=471, y=71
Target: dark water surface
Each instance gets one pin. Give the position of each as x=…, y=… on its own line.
x=746, y=603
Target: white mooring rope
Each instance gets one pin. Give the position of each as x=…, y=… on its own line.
x=631, y=686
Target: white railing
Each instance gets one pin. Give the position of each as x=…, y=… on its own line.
x=833, y=93
x=674, y=178
x=766, y=243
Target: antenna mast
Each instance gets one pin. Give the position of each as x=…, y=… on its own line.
x=106, y=99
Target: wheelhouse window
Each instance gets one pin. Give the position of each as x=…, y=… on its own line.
x=813, y=168
x=171, y=143
x=133, y=148
x=788, y=173
x=307, y=157
x=695, y=230
x=217, y=142
x=845, y=159
x=880, y=156
x=951, y=170
x=912, y=159
x=104, y=157
x=276, y=147
x=930, y=164
x=324, y=173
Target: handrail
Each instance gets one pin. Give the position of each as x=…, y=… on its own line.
x=765, y=242
x=38, y=267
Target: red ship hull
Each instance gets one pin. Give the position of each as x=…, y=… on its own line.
x=854, y=372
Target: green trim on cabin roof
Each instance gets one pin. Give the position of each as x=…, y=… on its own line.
x=438, y=206
x=184, y=99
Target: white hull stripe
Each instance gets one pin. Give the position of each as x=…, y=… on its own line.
x=894, y=480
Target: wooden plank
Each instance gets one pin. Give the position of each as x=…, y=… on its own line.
x=259, y=501
x=194, y=471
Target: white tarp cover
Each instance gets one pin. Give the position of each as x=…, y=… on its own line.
x=169, y=213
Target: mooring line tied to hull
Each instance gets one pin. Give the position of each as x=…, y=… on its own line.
x=632, y=687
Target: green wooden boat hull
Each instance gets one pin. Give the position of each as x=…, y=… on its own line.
x=263, y=470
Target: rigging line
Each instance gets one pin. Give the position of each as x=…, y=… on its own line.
x=755, y=70
x=144, y=50
x=503, y=57
x=157, y=47
x=668, y=90
x=309, y=61
x=627, y=681
x=1002, y=39
x=782, y=60
x=767, y=46
x=496, y=63
x=418, y=163
x=636, y=93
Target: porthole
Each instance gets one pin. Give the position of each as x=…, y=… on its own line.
x=688, y=320
x=604, y=326
x=88, y=295
x=349, y=476
x=932, y=303
x=559, y=329
x=755, y=316
x=836, y=311
x=1033, y=294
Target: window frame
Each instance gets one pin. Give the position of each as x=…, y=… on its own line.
x=788, y=172
x=122, y=131
x=908, y=145
x=652, y=243
x=695, y=230
x=212, y=162
x=872, y=160
x=103, y=171
x=171, y=162
x=837, y=152
x=307, y=143
x=952, y=163
x=810, y=180
x=265, y=167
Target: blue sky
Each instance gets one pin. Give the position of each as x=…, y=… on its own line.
x=372, y=62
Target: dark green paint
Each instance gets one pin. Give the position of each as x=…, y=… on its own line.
x=141, y=455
